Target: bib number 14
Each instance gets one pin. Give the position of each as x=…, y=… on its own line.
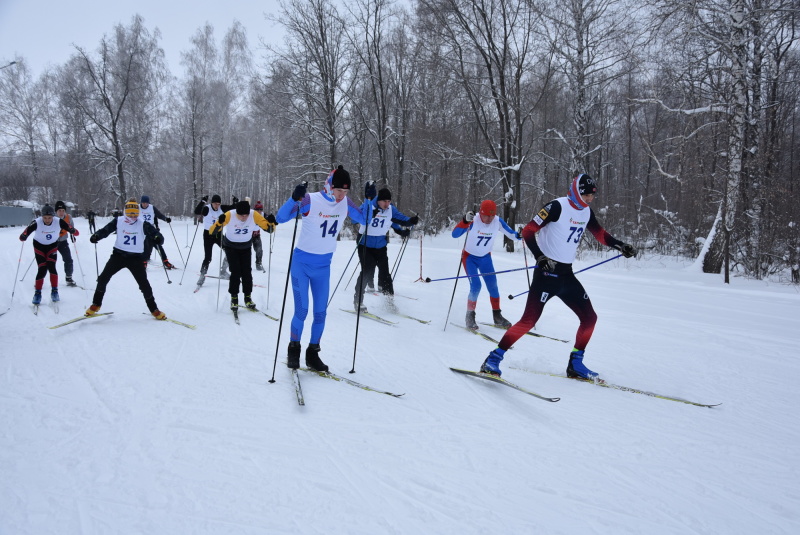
x=329, y=232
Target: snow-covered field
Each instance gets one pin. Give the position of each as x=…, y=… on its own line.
x=124, y=424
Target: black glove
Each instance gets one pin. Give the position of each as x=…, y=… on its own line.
x=546, y=264
x=168, y=220
x=93, y=238
x=159, y=239
x=235, y=199
x=23, y=237
x=468, y=217
x=271, y=219
x=413, y=220
x=370, y=191
x=627, y=250
x=204, y=198
x=299, y=192
x=221, y=218
x=518, y=235
x=403, y=232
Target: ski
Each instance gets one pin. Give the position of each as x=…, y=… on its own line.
x=176, y=322
x=605, y=384
x=498, y=380
x=478, y=333
x=378, y=294
x=80, y=318
x=223, y=278
x=425, y=322
x=200, y=282
x=236, y=315
x=297, y=389
x=35, y=310
x=530, y=333
x=339, y=378
x=259, y=311
x=372, y=316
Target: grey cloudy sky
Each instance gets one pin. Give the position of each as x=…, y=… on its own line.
x=43, y=32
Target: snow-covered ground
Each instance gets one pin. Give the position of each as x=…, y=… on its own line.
x=124, y=424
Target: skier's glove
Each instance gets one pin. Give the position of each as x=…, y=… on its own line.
x=23, y=237
x=221, y=218
x=159, y=240
x=235, y=199
x=627, y=250
x=546, y=264
x=93, y=238
x=74, y=232
x=370, y=191
x=204, y=198
x=468, y=217
x=168, y=220
x=403, y=232
x=271, y=219
x=413, y=220
x=299, y=192
x=518, y=235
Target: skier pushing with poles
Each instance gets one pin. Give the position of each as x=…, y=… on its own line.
x=324, y=214
x=46, y=229
x=560, y=225
x=150, y=214
x=372, y=245
x=63, y=244
x=477, y=258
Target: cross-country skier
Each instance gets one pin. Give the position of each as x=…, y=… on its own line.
x=236, y=227
x=477, y=258
x=46, y=229
x=210, y=213
x=560, y=225
x=372, y=244
x=63, y=244
x=324, y=214
x=128, y=253
x=90, y=215
x=150, y=214
x=258, y=247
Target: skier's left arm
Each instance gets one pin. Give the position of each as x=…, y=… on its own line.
x=221, y=221
x=602, y=235
x=161, y=216
x=151, y=231
x=267, y=223
x=358, y=214
x=508, y=231
x=399, y=218
x=68, y=228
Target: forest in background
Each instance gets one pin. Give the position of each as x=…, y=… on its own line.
x=684, y=112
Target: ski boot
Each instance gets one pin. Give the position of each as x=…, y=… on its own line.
x=70, y=281
x=157, y=314
x=54, y=295
x=234, y=302
x=248, y=302
x=37, y=297
x=260, y=266
x=92, y=310
x=224, y=275
x=390, y=304
x=293, y=355
x=577, y=370
x=312, y=358
x=168, y=264
x=499, y=320
x=203, y=269
x=470, y=321
x=361, y=309
x=492, y=363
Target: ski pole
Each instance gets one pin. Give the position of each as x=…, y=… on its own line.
x=343, y=272
x=26, y=271
x=428, y=279
x=580, y=271
x=400, y=254
x=14, y=288
x=80, y=266
x=186, y=266
x=525, y=256
x=455, y=285
x=96, y=263
x=176, y=244
x=285, y=289
x=269, y=262
x=219, y=280
x=360, y=283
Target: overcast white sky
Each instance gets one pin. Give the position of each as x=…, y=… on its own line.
x=43, y=32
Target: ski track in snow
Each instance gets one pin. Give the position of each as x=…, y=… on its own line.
x=123, y=424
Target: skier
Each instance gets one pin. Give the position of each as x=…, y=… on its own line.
x=236, y=228
x=150, y=214
x=324, y=214
x=210, y=213
x=63, y=244
x=560, y=225
x=132, y=232
x=90, y=215
x=373, y=242
x=45, y=230
x=477, y=258
x=258, y=247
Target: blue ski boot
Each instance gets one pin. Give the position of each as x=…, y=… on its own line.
x=492, y=363
x=54, y=295
x=576, y=368
x=37, y=297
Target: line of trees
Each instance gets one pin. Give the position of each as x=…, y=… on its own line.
x=684, y=112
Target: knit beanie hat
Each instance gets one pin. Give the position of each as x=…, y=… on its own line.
x=582, y=184
x=242, y=207
x=48, y=210
x=340, y=179
x=384, y=194
x=488, y=208
x=132, y=208
x=145, y=199
x=60, y=205
x=216, y=198
x=259, y=206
